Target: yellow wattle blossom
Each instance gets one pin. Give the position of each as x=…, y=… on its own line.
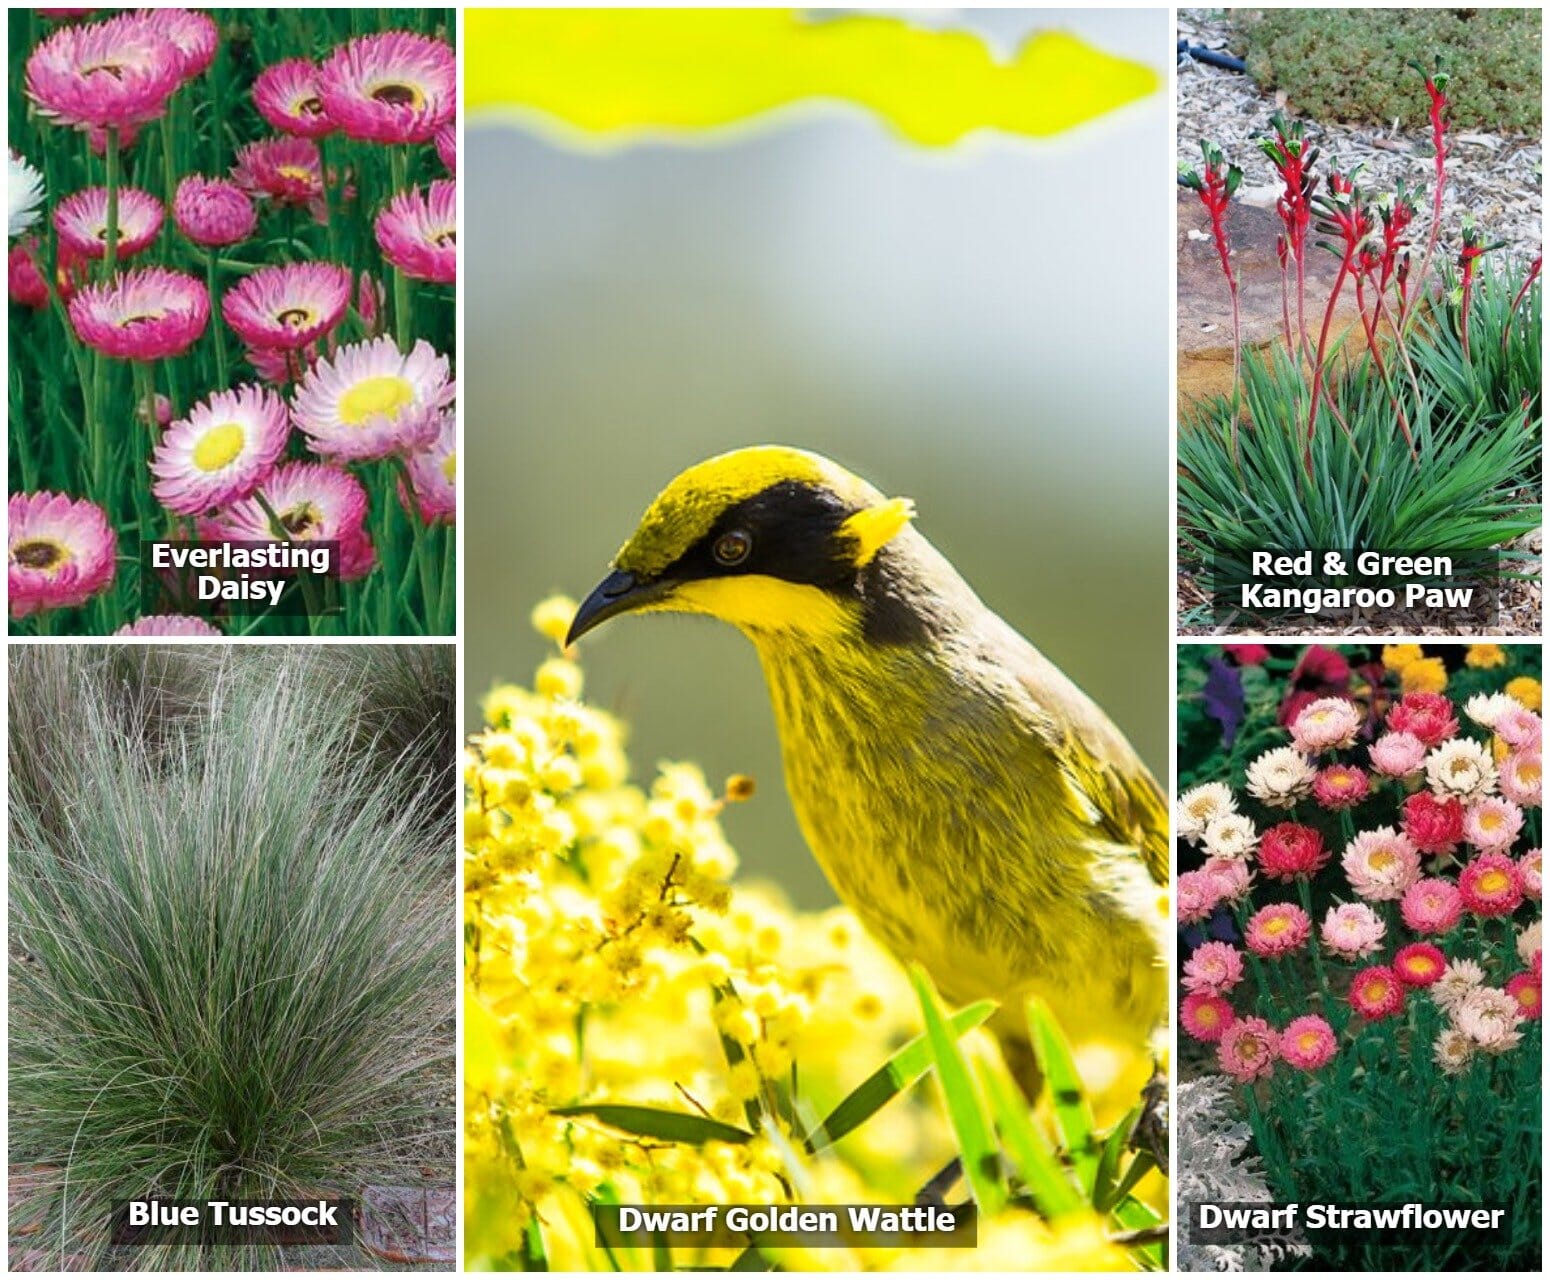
x=612, y=958
x=1424, y=675
x=1485, y=656
x=1396, y=657
x=1527, y=691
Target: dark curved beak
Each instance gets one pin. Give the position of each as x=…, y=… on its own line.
x=619, y=592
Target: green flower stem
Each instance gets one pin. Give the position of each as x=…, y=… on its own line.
x=303, y=579
x=446, y=609
x=212, y=284
x=110, y=258
x=398, y=159
x=329, y=223
x=169, y=168
x=1305, y=895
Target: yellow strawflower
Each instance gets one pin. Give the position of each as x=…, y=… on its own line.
x=1424, y=675
x=1396, y=657
x=1527, y=691
x=1485, y=656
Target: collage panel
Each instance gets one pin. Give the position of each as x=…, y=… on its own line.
x=232, y=324
x=232, y=957
x=1359, y=322
x=887, y=925
x=1360, y=1058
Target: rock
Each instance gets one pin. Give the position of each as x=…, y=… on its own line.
x=409, y=1225
x=1205, y=308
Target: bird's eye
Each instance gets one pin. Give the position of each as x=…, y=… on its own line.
x=732, y=548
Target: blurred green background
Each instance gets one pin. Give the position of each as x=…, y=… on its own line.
x=983, y=329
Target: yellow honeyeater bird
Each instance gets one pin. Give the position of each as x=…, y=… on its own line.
x=978, y=812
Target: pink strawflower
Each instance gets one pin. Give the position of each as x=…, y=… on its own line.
x=1247, y=655
x=1308, y=1043
x=1420, y=964
x=82, y=222
x=1397, y=755
x=62, y=551
x=1289, y=851
x=1427, y=716
x=158, y=413
x=110, y=75
x=282, y=308
x=1381, y=864
x=221, y=452
x=1232, y=877
x=1433, y=825
x=1206, y=1018
x=25, y=279
x=1214, y=969
x=1520, y=727
x=1340, y=786
x=370, y=401
x=1525, y=989
x=1325, y=724
x=446, y=148
x=146, y=314
x=1490, y=886
x=315, y=503
x=1277, y=929
x=1196, y=896
x=286, y=95
x=418, y=235
x=1431, y=906
x=168, y=624
x=192, y=34
x=433, y=473
x=213, y=212
x=1248, y=1049
x=286, y=170
x=97, y=139
x=1529, y=867
x=1351, y=930
x=393, y=87
x=1521, y=777
x=1492, y=824
x=1377, y=993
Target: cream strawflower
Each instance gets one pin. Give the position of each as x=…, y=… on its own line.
x=1461, y=767
x=1453, y=1051
x=1199, y=805
x=1232, y=835
x=1485, y=709
x=1280, y=777
x=1457, y=981
x=1381, y=864
x=1489, y=1018
x=24, y=193
x=1326, y=723
x=1529, y=942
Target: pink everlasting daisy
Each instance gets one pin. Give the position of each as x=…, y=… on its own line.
x=146, y=314
x=1308, y=1043
x=1205, y=1018
x=1277, y=929
x=286, y=95
x=285, y=170
x=1520, y=727
x=1420, y=964
x=1289, y=851
x=82, y=221
x=1352, y=929
x=1521, y=777
x=192, y=34
x=418, y=235
x=1490, y=886
x=110, y=74
x=1377, y=993
x=1431, y=906
x=1324, y=724
x=213, y=212
x=168, y=624
x=1340, y=786
x=1397, y=755
x=289, y=306
x=369, y=400
x=62, y=551
x=1248, y=1049
x=315, y=503
x=1214, y=969
x=1232, y=877
x=1529, y=872
x=1492, y=824
x=1196, y=896
x=433, y=473
x=1434, y=825
x=446, y=147
x=393, y=87
x=1381, y=864
x=221, y=452
x=1524, y=988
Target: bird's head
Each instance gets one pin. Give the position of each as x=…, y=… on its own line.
x=775, y=541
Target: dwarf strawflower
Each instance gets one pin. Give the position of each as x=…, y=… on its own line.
x=81, y=220
x=285, y=307
x=1308, y=1043
x=417, y=232
x=1248, y=1049
x=1377, y=993
x=1277, y=929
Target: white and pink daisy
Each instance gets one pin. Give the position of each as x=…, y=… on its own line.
x=393, y=87
x=1530, y=868
x=369, y=400
x=146, y=314
x=168, y=624
x=61, y=552
x=286, y=170
x=1489, y=1018
x=1492, y=824
x=110, y=75
x=286, y=95
x=194, y=35
x=1381, y=864
x=418, y=233
x=82, y=221
x=433, y=473
x=1520, y=727
x=221, y=452
x=446, y=146
x=1351, y=930
x=1521, y=777
x=213, y=212
x=1325, y=724
x=1397, y=755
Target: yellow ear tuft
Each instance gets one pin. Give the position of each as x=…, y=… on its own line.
x=873, y=528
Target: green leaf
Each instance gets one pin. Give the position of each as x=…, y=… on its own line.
x=659, y=1123
x=892, y=1078
x=1073, y=1117
x=1048, y=1182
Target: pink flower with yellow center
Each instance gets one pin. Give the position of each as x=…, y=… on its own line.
x=285, y=170
x=315, y=503
x=1308, y=1043
x=418, y=234
x=433, y=473
x=1529, y=874
x=394, y=87
x=1206, y=1018
x=286, y=95
x=221, y=452
x=1521, y=777
x=168, y=624
x=1524, y=988
x=371, y=401
x=147, y=314
x=108, y=75
x=1340, y=786
x=1397, y=755
x=1492, y=824
x=1490, y=886
x=1520, y=727
x=1248, y=1049
x=1377, y=993
x=1431, y=906
x=1277, y=929
x=82, y=221
x=61, y=552
x=1381, y=864
x=213, y=212
x=194, y=35
x=285, y=307
x=1325, y=724
x=1351, y=930
x=1214, y=969
x=1420, y=964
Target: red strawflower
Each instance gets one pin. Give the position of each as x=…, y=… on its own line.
x=1289, y=851
x=1420, y=964
x=1377, y=993
x=1433, y=825
x=1427, y=716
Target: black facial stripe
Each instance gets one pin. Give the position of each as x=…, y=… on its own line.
x=794, y=528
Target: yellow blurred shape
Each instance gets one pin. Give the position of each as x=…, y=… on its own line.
x=624, y=72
